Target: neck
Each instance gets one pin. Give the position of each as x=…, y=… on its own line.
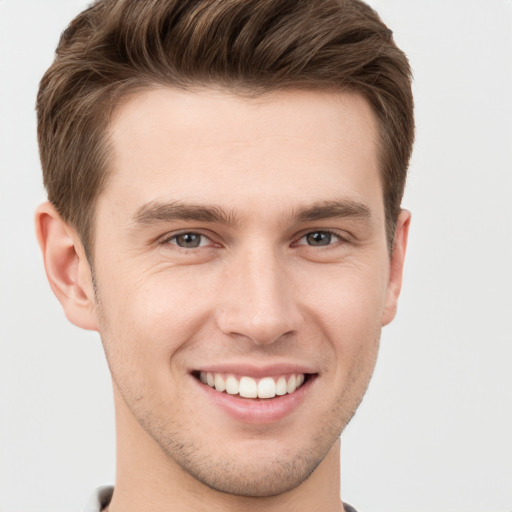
x=149, y=479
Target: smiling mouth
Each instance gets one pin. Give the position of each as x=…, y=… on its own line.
x=249, y=387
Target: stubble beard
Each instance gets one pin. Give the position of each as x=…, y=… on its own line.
x=234, y=475
x=231, y=474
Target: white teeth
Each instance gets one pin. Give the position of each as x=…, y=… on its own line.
x=232, y=385
x=248, y=387
x=291, y=386
x=220, y=383
x=281, y=386
x=266, y=388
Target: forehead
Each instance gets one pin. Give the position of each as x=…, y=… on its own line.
x=214, y=146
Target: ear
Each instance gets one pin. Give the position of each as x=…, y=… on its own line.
x=67, y=268
x=396, y=266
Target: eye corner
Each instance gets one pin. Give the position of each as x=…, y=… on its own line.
x=189, y=240
x=314, y=238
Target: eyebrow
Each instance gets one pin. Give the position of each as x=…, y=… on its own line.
x=156, y=212
x=334, y=209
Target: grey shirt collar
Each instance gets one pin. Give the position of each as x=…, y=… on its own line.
x=100, y=499
x=102, y=496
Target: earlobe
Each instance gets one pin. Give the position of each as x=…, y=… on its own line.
x=66, y=265
x=396, y=266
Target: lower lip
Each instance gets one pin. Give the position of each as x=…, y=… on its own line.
x=259, y=411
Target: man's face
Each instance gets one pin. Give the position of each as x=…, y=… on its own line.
x=241, y=242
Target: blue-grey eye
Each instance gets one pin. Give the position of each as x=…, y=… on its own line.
x=319, y=238
x=189, y=240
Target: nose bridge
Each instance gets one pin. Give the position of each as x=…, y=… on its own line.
x=259, y=302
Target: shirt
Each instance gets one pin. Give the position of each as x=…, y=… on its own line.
x=102, y=496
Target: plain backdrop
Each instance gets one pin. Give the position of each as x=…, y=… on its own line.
x=435, y=430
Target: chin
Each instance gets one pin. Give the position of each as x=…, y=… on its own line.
x=256, y=480
x=254, y=468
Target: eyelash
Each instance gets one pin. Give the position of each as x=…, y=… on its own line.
x=172, y=240
x=326, y=231
x=175, y=236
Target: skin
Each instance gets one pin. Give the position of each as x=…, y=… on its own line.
x=254, y=292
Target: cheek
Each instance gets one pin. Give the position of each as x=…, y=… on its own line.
x=150, y=317
x=347, y=309
x=350, y=296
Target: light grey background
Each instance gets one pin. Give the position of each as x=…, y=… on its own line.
x=435, y=430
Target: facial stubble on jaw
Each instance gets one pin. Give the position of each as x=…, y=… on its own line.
x=236, y=476
x=279, y=475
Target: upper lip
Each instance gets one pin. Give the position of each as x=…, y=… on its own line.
x=256, y=371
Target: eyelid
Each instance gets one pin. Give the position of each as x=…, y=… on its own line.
x=170, y=237
x=333, y=232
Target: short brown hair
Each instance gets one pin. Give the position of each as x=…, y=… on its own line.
x=116, y=47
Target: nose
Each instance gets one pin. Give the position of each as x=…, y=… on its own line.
x=258, y=300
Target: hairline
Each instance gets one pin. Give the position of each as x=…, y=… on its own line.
x=139, y=84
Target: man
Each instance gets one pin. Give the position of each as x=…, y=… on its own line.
x=224, y=182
